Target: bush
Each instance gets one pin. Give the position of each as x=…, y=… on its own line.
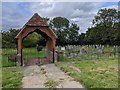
x=39, y=48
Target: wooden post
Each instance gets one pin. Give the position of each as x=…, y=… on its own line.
x=53, y=56
x=21, y=52
x=21, y=58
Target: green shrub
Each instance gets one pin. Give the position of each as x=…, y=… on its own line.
x=39, y=48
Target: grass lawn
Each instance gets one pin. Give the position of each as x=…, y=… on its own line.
x=31, y=53
x=93, y=73
x=11, y=77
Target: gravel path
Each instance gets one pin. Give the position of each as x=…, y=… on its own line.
x=33, y=77
x=36, y=77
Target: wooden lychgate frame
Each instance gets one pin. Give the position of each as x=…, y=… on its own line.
x=36, y=24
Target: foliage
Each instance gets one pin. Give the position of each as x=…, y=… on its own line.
x=105, y=28
x=39, y=48
x=9, y=41
x=60, y=26
x=103, y=31
x=73, y=34
x=31, y=40
x=8, y=38
x=41, y=41
x=66, y=32
x=60, y=23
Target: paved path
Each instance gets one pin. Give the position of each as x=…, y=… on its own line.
x=36, y=77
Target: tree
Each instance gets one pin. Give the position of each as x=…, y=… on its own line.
x=81, y=39
x=31, y=40
x=104, y=28
x=60, y=23
x=66, y=32
x=73, y=34
x=60, y=26
x=9, y=41
x=8, y=38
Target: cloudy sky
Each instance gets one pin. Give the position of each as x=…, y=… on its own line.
x=16, y=14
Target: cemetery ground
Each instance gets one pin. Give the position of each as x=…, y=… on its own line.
x=91, y=70
x=92, y=73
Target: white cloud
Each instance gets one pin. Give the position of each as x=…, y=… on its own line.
x=60, y=0
x=11, y=16
x=80, y=13
x=75, y=19
x=112, y=6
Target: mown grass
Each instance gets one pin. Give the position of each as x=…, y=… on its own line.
x=12, y=77
x=31, y=53
x=94, y=73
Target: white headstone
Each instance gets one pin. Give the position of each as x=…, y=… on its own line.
x=62, y=48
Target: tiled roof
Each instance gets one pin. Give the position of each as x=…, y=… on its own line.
x=36, y=20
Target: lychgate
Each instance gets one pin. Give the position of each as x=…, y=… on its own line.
x=37, y=24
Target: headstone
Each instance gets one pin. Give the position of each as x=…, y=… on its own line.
x=97, y=47
x=118, y=49
x=83, y=51
x=100, y=51
x=62, y=48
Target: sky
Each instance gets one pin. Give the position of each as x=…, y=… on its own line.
x=16, y=14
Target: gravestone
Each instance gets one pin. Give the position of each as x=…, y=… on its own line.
x=118, y=49
x=63, y=48
x=83, y=50
x=100, y=51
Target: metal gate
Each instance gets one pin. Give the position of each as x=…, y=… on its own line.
x=31, y=56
